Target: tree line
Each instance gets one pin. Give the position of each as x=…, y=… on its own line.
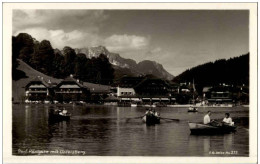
x=59, y=64
x=234, y=71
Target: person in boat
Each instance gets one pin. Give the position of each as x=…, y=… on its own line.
x=227, y=120
x=156, y=114
x=56, y=111
x=63, y=112
x=206, y=119
x=150, y=112
x=147, y=111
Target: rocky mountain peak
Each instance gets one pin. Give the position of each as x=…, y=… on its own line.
x=143, y=67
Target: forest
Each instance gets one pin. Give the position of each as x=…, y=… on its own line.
x=42, y=57
x=234, y=71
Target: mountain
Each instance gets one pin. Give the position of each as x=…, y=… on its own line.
x=154, y=68
x=127, y=66
x=234, y=71
x=114, y=58
x=39, y=54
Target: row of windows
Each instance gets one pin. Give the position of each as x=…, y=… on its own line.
x=127, y=93
x=69, y=90
x=37, y=89
x=219, y=95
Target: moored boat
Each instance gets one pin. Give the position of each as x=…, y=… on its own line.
x=151, y=119
x=133, y=104
x=149, y=105
x=136, y=104
x=160, y=104
x=193, y=109
x=199, y=128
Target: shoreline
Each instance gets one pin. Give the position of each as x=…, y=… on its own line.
x=169, y=106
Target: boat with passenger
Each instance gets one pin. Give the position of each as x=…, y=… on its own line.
x=217, y=128
x=151, y=117
x=193, y=109
x=59, y=115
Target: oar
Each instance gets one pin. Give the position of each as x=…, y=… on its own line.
x=170, y=119
x=135, y=117
x=127, y=119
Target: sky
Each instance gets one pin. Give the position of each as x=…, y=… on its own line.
x=177, y=39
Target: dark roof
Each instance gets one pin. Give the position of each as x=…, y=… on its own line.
x=134, y=82
x=153, y=81
x=111, y=98
x=97, y=88
x=71, y=80
x=129, y=82
x=39, y=79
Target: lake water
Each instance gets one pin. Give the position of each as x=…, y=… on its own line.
x=108, y=131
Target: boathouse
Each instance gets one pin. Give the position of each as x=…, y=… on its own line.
x=38, y=89
x=71, y=89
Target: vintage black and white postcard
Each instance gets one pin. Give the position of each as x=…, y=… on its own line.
x=130, y=82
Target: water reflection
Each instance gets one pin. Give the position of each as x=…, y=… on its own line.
x=206, y=145
x=209, y=143
x=228, y=141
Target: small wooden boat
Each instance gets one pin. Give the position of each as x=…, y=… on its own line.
x=199, y=128
x=133, y=104
x=136, y=103
x=160, y=105
x=151, y=119
x=193, y=109
x=59, y=116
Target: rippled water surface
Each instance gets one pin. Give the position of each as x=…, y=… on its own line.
x=114, y=131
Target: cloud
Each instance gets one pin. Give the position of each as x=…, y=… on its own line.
x=60, y=38
x=156, y=50
x=121, y=43
x=68, y=20
x=75, y=28
x=80, y=39
x=153, y=54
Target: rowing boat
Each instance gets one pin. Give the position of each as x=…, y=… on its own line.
x=59, y=115
x=199, y=128
x=193, y=109
x=151, y=119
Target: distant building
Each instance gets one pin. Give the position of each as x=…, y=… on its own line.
x=98, y=93
x=71, y=89
x=218, y=95
x=126, y=86
x=206, y=92
x=143, y=89
x=67, y=90
x=38, y=89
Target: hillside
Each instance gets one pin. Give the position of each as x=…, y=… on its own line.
x=18, y=90
x=18, y=86
x=234, y=71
